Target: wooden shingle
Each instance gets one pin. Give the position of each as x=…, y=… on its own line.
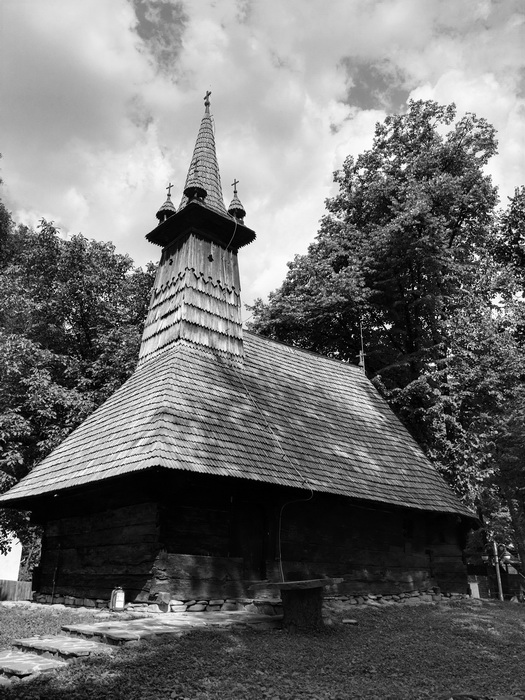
x=204, y=168
x=289, y=417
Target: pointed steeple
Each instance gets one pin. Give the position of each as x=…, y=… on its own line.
x=203, y=181
x=196, y=296
x=236, y=209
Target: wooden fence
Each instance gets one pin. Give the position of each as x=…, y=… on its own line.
x=15, y=590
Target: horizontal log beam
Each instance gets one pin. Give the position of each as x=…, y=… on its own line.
x=298, y=585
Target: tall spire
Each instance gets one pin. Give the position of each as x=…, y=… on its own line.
x=196, y=296
x=204, y=181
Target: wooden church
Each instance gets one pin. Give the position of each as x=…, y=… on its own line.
x=228, y=458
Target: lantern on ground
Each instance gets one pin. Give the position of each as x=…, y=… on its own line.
x=118, y=599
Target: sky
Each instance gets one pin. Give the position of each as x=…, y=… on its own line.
x=100, y=104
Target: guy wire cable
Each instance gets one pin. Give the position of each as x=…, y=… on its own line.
x=233, y=234
x=290, y=462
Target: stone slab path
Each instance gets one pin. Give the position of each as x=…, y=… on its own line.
x=62, y=646
x=19, y=663
x=43, y=654
x=116, y=632
x=47, y=654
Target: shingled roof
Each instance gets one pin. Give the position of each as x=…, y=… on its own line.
x=204, y=168
x=280, y=416
x=290, y=417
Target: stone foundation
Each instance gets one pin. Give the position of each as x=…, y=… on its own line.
x=332, y=604
x=344, y=603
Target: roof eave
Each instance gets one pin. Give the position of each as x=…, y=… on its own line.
x=226, y=230
x=35, y=501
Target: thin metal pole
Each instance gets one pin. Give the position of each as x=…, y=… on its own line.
x=498, y=575
x=362, y=361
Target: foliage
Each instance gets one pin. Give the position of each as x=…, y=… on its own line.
x=395, y=653
x=510, y=243
x=401, y=244
x=414, y=255
x=400, y=241
x=71, y=315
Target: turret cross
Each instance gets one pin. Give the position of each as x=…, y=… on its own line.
x=234, y=185
x=169, y=189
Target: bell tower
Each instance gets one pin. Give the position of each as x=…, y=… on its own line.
x=196, y=296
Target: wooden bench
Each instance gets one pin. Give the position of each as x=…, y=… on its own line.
x=302, y=602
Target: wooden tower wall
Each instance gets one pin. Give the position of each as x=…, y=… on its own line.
x=195, y=298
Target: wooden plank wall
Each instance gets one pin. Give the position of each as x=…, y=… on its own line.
x=375, y=549
x=187, y=576
x=200, y=536
x=15, y=590
x=89, y=554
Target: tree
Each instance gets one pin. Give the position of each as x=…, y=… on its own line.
x=401, y=241
x=509, y=444
x=413, y=254
x=510, y=243
x=71, y=316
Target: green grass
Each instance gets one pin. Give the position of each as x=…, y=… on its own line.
x=393, y=654
x=26, y=621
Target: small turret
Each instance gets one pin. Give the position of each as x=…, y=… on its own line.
x=167, y=209
x=236, y=208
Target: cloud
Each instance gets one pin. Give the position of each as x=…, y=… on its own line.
x=161, y=26
x=102, y=103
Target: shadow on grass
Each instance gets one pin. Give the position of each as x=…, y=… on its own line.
x=392, y=654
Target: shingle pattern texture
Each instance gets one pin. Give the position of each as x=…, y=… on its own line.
x=196, y=298
x=204, y=169
x=167, y=207
x=289, y=417
x=236, y=208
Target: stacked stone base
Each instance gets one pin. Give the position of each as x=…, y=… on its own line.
x=409, y=598
x=164, y=603
x=260, y=607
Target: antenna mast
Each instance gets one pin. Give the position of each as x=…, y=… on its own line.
x=362, y=354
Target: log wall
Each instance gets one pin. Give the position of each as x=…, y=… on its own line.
x=197, y=536
x=229, y=531
x=96, y=539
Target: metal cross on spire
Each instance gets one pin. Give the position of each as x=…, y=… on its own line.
x=169, y=189
x=234, y=185
x=207, y=100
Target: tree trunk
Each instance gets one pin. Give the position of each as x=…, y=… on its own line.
x=517, y=519
x=302, y=610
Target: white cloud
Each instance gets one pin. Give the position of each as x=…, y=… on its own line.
x=101, y=105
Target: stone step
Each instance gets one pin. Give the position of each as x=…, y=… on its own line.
x=40, y=654
x=117, y=633
x=22, y=664
x=61, y=646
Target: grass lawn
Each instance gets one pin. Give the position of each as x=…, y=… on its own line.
x=27, y=621
x=393, y=653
